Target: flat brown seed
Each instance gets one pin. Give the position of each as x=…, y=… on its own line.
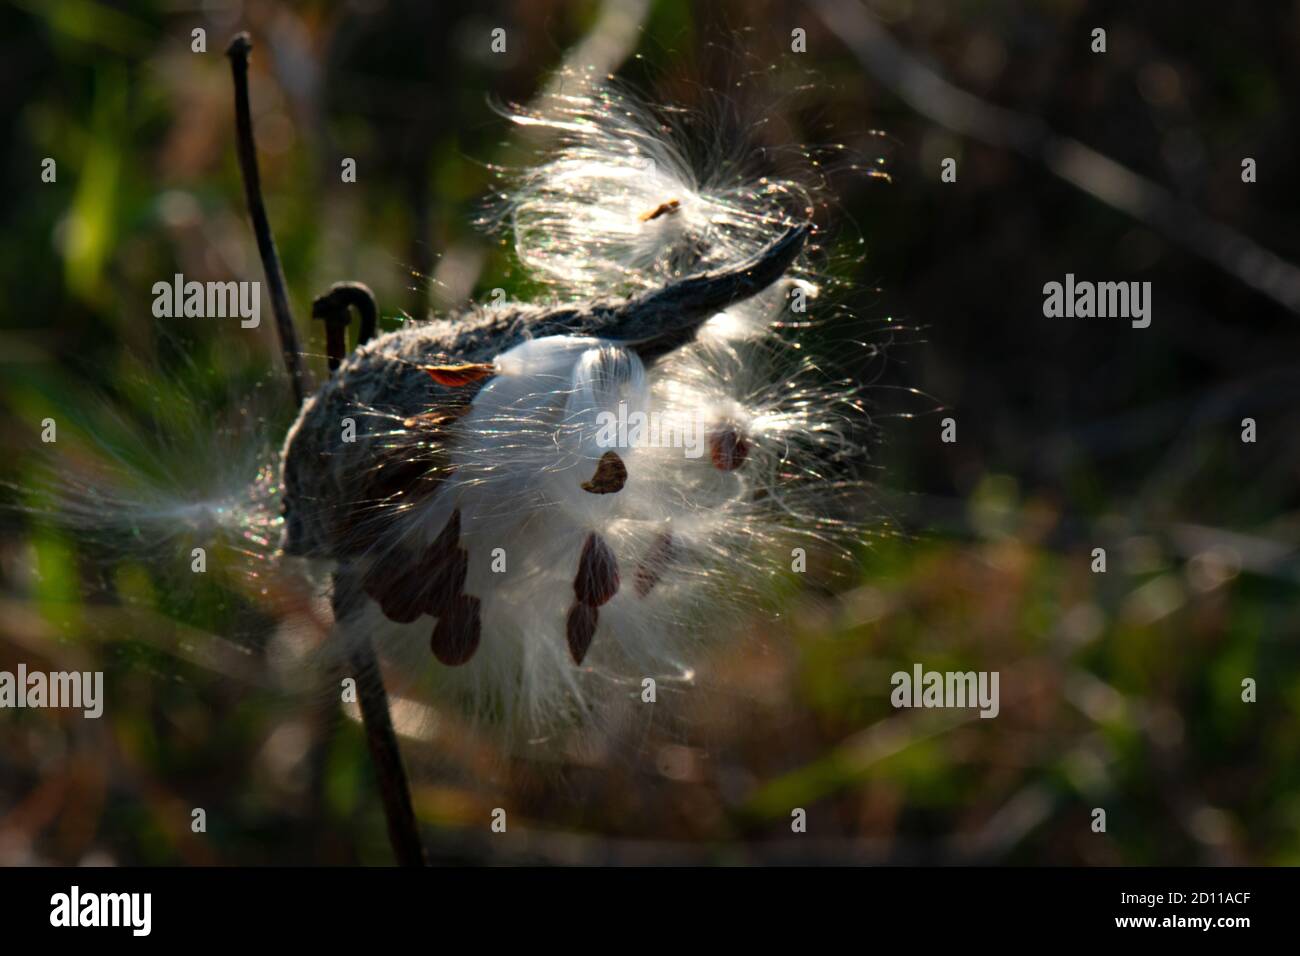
x=447, y=582
x=655, y=563
x=580, y=628
x=610, y=476
x=455, y=376
x=728, y=448
x=597, y=578
x=397, y=583
x=406, y=585
x=446, y=565
x=457, y=633
x=663, y=209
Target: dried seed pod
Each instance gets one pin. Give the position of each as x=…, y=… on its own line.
x=677, y=312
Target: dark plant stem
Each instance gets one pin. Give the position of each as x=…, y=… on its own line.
x=381, y=739
x=399, y=812
x=238, y=51
x=332, y=307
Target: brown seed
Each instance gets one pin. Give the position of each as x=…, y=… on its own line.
x=728, y=448
x=580, y=629
x=455, y=376
x=446, y=543
x=447, y=565
x=397, y=583
x=597, y=578
x=406, y=585
x=456, y=635
x=663, y=209
x=610, y=476
x=447, y=582
x=652, y=567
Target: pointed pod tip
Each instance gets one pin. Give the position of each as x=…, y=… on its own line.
x=660, y=321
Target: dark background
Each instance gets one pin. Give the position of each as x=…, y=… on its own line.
x=1120, y=691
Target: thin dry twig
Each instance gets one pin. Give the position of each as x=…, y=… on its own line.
x=238, y=51
x=394, y=791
